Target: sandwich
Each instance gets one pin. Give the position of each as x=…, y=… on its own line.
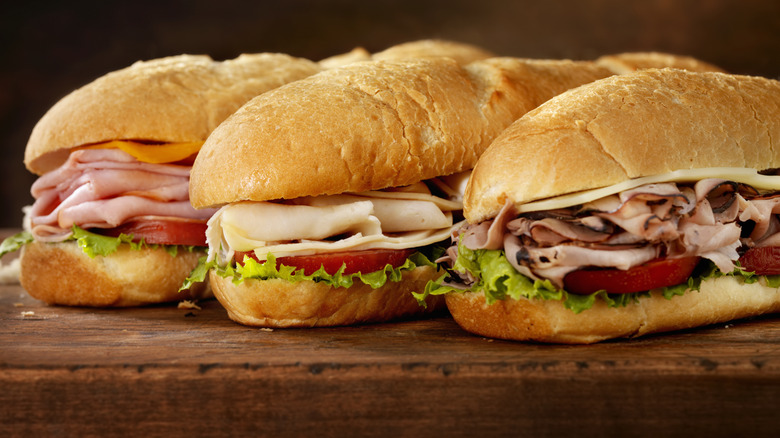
x=334, y=191
x=636, y=204
x=111, y=224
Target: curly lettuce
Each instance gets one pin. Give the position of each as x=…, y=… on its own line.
x=252, y=269
x=91, y=244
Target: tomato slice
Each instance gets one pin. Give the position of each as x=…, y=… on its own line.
x=356, y=261
x=651, y=275
x=162, y=232
x=762, y=261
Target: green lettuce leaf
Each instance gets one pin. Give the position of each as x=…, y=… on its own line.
x=15, y=242
x=499, y=280
x=92, y=244
x=252, y=269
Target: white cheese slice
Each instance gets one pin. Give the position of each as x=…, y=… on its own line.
x=393, y=219
x=736, y=174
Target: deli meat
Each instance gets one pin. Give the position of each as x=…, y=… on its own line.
x=712, y=219
x=104, y=188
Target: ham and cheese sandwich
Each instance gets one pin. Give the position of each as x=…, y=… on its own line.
x=636, y=204
x=333, y=191
x=112, y=224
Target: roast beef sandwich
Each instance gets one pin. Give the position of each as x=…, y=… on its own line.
x=636, y=204
x=334, y=191
x=112, y=224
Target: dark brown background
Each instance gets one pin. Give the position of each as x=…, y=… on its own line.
x=50, y=48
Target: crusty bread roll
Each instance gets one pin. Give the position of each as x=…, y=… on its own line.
x=365, y=126
x=719, y=300
x=61, y=273
x=628, y=126
x=174, y=99
x=373, y=125
x=462, y=53
x=280, y=303
x=622, y=63
x=169, y=100
x=642, y=124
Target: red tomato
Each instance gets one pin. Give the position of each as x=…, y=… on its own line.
x=163, y=232
x=356, y=261
x=762, y=261
x=653, y=274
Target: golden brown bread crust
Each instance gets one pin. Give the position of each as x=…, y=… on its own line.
x=174, y=99
x=372, y=125
x=644, y=123
x=462, y=53
x=280, y=303
x=622, y=63
x=60, y=273
x=355, y=55
x=719, y=300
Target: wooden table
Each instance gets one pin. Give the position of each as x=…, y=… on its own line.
x=165, y=371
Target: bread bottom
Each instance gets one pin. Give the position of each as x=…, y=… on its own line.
x=281, y=303
x=60, y=273
x=719, y=300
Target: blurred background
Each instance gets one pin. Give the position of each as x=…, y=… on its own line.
x=50, y=48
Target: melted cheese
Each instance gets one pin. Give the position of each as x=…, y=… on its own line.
x=152, y=153
x=736, y=174
x=393, y=219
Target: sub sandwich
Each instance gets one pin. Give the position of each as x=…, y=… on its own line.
x=334, y=191
x=111, y=224
x=636, y=204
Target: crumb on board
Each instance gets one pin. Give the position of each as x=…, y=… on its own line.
x=18, y=304
x=28, y=314
x=187, y=304
x=266, y=329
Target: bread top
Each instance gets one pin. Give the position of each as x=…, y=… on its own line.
x=641, y=124
x=622, y=63
x=174, y=99
x=462, y=53
x=372, y=125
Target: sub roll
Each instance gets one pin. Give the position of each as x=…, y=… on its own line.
x=636, y=204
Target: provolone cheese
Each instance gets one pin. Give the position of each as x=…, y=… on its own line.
x=152, y=153
x=736, y=174
x=390, y=219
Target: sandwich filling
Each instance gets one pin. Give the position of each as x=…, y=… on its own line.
x=672, y=220
x=120, y=188
x=393, y=221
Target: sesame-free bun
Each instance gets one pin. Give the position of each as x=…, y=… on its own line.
x=719, y=300
x=639, y=124
x=280, y=303
x=462, y=53
x=628, y=62
x=174, y=99
x=61, y=273
x=372, y=125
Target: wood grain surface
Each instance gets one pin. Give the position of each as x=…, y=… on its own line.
x=169, y=371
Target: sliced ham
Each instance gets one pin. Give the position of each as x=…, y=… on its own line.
x=104, y=188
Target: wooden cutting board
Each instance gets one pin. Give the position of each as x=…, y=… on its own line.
x=169, y=371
